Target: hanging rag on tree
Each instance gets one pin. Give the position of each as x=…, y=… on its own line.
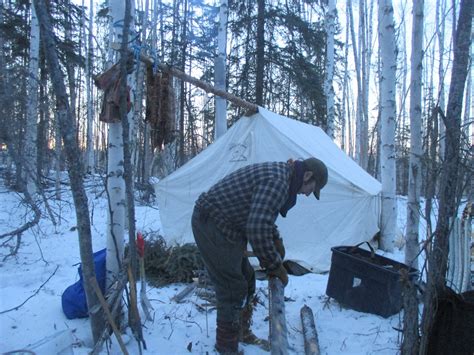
x=109, y=81
x=160, y=107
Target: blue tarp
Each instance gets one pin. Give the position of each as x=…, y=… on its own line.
x=73, y=298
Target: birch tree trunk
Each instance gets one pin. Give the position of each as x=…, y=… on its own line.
x=260, y=52
x=359, y=112
x=331, y=15
x=115, y=169
x=138, y=104
x=67, y=129
x=90, y=166
x=220, y=70
x=345, y=92
x=436, y=279
x=468, y=122
x=411, y=334
x=440, y=26
x=414, y=182
x=147, y=148
x=363, y=100
x=388, y=54
x=31, y=152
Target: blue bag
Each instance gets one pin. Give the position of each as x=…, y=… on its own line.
x=73, y=299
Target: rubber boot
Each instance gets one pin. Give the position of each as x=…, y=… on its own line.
x=246, y=334
x=227, y=338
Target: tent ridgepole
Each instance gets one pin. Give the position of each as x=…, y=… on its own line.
x=250, y=107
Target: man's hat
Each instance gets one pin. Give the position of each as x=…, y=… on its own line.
x=320, y=173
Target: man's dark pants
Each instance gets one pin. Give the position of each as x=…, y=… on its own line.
x=231, y=273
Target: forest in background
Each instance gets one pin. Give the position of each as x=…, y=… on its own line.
x=291, y=55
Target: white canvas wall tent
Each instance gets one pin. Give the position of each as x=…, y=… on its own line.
x=347, y=213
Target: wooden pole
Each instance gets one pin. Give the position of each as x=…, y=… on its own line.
x=311, y=343
x=110, y=319
x=278, y=329
x=250, y=107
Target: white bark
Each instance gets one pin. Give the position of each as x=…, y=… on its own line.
x=358, y=118
x=220, y=71
x=468, y=129
x=57, y=154
x=328, y=85
x=388, y=54
x=363, y=126
x=414, y=180
x=440, y=26
x=90, y=166
x=115, y=180
x=32, y=106
x=140, y=80
x=345, y=92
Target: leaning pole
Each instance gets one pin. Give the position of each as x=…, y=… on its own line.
x=278, y=329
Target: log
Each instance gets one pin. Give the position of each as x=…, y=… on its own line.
x=184, y=293
x=278, y=329
x=250, y=107
x=311, y=343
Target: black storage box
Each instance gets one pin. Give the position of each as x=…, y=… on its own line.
x=365, y=281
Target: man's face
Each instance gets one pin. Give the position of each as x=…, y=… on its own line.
x=309, y=184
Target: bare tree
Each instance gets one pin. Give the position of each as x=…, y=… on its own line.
x=449, y=184
x=388, y=54
x=30, y=168
x=220, y=71
x=331, y=14
x=411, y=334
x=440, y=26
x=260, y=52
x=359, y=154
x=90, y=166
x=68, y=134
x=414, y=186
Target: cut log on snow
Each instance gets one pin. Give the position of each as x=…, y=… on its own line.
x=311, y=343
x=178, y=298
x=278, y=329
x=250, y=107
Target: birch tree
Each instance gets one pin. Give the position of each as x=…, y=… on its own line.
x=345, y=94
x=32, y=106
x=358, y=119
x=440, y=26
x=260, y=49
x=388, y=54
x=331, y=15
x=115, y=172
x=449, y=183
x=90, y=104
x=139, y=89
x=414, y=181
x=362, y=101
x=220, y=71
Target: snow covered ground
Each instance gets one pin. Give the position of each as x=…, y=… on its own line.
x=32, y=281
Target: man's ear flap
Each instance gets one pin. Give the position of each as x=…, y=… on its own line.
x=308, y=175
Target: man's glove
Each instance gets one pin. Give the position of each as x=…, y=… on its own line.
x=280, y=247
x=281, y=273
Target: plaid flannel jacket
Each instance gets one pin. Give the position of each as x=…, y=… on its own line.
x=246, y=203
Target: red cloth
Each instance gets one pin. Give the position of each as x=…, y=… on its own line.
x=140, y=245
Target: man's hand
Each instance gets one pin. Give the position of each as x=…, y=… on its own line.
x=280, y=247
x=281, y=273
